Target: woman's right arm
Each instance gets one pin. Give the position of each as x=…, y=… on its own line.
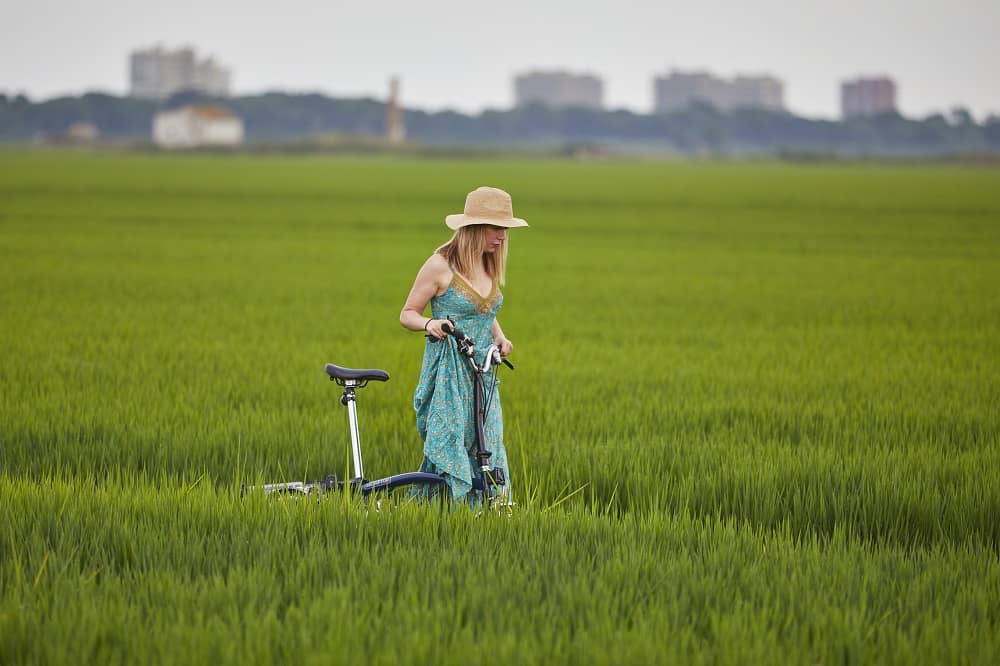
x=432, y=279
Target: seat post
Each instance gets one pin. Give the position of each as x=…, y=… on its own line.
x=349, y=400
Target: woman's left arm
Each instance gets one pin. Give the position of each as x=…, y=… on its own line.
x=500, y=340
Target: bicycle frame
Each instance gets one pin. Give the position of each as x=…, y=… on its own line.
x=351, y=380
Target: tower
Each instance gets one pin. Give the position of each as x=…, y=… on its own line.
x=395, y=131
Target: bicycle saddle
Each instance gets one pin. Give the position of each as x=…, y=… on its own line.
x=337, y=372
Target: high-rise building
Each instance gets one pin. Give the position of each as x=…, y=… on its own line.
x=558, y=89
x=679, y=90
x=212, y=78
x=867, y=97
x=759, y=92
x=158, y=73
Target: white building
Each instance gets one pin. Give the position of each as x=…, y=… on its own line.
x=559, y=90
x=82, y=132
x=157, y=73
x=194, y=126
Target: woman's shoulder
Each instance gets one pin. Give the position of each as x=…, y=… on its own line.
x=436, y=269
x=437, y=264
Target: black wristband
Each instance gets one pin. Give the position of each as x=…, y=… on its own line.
x=427, y=324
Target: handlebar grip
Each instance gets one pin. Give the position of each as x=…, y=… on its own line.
x=450, y=329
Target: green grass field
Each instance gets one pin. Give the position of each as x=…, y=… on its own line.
x=755, y=416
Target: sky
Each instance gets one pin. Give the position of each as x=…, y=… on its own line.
x=464, y=55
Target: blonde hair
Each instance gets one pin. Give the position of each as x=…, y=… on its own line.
x=464, y=253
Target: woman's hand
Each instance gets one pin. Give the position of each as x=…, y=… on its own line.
x=434, y=327
x=505, y=346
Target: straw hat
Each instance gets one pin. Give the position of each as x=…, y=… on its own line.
x=486, y=205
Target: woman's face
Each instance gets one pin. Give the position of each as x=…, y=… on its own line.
x=493, y=238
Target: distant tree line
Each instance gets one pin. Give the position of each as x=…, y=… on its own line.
x=278, y=117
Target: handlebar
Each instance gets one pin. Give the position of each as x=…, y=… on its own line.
x=454, y=332
x=497, y=358
x=466, y=345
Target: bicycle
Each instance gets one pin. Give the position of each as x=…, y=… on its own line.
x=486, y=480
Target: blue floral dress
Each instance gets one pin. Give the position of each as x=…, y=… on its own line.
x=443, y=399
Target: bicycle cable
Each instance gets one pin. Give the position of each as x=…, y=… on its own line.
x=488, y=398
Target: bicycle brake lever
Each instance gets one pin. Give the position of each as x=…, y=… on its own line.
x=498, y=358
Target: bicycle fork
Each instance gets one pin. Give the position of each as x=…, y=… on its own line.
x=490, y=477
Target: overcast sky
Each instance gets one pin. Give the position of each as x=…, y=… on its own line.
x=463, y=54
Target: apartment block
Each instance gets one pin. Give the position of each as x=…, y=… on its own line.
x=679, y=90
x=558, y=89
x=867, y=97
x=158, y=73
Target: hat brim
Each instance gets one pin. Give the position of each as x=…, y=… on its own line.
x=462, y=220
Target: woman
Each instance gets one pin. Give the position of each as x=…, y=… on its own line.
x=461, y=281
